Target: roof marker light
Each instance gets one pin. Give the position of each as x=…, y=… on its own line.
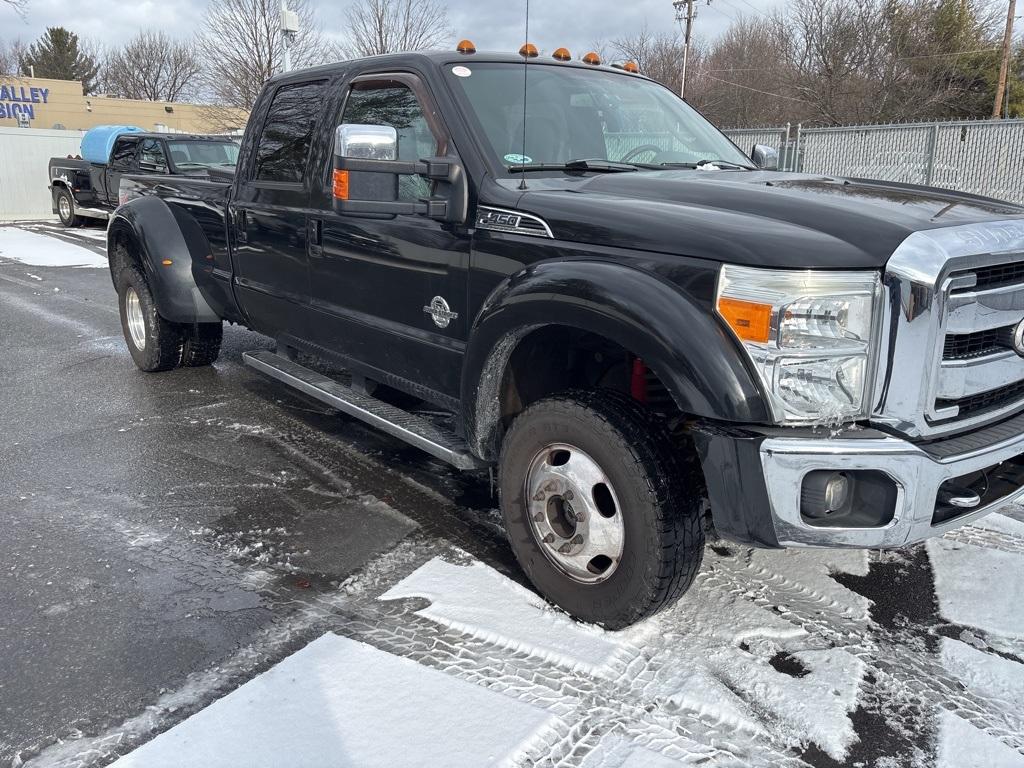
x=631, y=66
x=592, y=59
x=562, y=54
x=466, y=47
x=529, y=51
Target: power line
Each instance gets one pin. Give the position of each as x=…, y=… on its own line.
x=757, y=90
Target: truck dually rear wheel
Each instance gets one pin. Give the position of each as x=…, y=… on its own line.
x=154, y=343
x=603, y=516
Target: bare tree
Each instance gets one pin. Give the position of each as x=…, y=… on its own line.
x=389, y=26
x=241, y=47
x=152, y=66
x=11, y=55
x=19, y=6
x=659, y=56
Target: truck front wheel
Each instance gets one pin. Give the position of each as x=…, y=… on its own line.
x=603, y=514
x=66, y=208
x=154, y=343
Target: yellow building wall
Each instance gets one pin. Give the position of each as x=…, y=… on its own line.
x=60, y=104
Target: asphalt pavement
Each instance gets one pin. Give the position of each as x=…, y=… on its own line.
x=168, y=538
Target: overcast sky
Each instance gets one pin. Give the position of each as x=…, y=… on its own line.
x=491, y=24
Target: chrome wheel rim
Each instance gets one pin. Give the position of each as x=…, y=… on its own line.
x=64, y=205
x=136, y=320
x=574, y=513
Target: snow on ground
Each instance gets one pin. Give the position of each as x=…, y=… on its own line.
x=961, y=745
x=42, y=251
x=980, y=586
x=340, y=702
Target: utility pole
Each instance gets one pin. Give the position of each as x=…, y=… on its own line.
x=1004, y=67
x=289, y=29
x=686, y=16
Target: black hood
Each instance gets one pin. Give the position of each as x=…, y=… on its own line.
x=750, y=217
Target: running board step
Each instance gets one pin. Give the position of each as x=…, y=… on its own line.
x=406, y=426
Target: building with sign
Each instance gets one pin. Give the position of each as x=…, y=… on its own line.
x=36, y=102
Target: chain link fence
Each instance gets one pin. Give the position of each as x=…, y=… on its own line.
x=983, y=157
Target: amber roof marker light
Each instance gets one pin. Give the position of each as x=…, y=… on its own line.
x=465, y=47
x=592, y=59
x=529, y=51
x=562, y=54
x=631, y=66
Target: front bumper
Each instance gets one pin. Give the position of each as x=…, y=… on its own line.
x=755, y=483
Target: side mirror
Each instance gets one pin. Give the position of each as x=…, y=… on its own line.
x=370, y=142
x=765, y=157
x=366, y=171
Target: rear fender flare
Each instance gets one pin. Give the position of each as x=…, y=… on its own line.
x=678, y=337
x=167, y=259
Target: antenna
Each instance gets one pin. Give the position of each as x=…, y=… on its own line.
x=526, y=64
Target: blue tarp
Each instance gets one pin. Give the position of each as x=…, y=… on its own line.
x=98, y=141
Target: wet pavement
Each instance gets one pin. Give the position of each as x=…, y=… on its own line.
x=145, y=516
x=168, y=537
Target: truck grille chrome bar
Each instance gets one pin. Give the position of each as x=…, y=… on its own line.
x=949, y=359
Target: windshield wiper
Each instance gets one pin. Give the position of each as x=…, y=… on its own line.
x=597, y=166
x=702, y=163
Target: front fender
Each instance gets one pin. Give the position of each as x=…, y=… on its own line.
x=165, y=256
x=675, y=334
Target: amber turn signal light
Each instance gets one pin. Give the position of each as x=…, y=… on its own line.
x=340, y=185
x=562, y=54
x=465, y=47
x=749, y=320
x=592, y=59
x=631, y=66
x=529, y=50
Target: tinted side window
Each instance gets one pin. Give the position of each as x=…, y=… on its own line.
x=392, y=103
x=288, y=132
x=123, y=154
x=151, y=155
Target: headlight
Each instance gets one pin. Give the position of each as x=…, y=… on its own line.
x=808, y=334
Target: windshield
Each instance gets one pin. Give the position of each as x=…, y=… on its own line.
x=187, y=154
x=575, y=114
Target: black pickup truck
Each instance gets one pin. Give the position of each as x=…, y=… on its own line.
x=80, y=189
x=650, y=335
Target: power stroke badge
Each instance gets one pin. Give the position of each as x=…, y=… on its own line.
x=440, y=312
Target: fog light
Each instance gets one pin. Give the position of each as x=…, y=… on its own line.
x=837, y=491
x=825, y=493
x=851, y=499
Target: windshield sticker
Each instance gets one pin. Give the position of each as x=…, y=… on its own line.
x=517, y=159
x=461, y=71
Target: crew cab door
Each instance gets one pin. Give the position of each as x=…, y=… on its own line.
x=389, y=291
x=269, y=209
x=123, y=159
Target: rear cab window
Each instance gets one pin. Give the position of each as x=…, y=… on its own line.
x=288, y=131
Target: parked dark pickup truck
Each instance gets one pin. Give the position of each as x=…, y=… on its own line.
x=81, y=189
x=640, y=327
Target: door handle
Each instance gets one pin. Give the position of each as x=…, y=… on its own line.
x=242, y=227
x=315, y=236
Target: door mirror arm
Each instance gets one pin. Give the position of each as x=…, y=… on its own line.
x=362, y=149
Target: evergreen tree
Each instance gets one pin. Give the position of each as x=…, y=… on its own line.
x=59, y=55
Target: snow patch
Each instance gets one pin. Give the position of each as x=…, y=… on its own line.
x=42, y=251
x=478, y=601
x=978, y=586
x=986, y=674
x=340, y=702
x=961, y=745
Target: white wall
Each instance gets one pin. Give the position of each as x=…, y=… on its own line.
x=24, y=155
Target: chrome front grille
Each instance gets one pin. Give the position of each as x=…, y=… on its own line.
x=948, y=359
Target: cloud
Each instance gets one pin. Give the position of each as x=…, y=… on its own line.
x=580, y=25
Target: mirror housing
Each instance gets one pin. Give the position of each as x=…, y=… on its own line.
x=766, y=158
x=370, y=142
x=366, y=171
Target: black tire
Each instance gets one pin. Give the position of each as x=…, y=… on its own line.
x=66, y=208
x=202, y=344
x=163, y=341
x=660, y=495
